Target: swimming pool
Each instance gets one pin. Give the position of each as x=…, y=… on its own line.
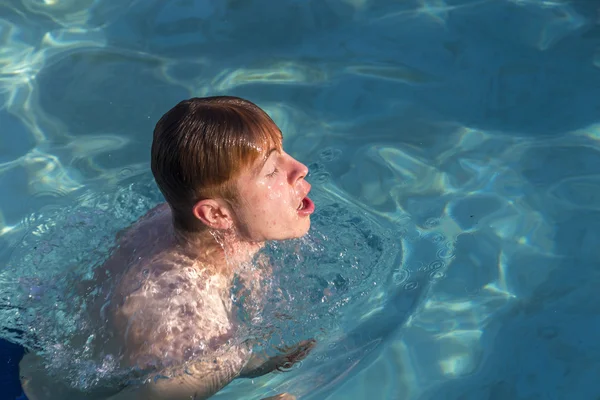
x=460, y=138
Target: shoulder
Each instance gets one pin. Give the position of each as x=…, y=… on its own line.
x=175, y=313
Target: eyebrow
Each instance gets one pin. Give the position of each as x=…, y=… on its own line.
x=264, y=161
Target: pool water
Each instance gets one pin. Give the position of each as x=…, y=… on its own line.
x=454, y=155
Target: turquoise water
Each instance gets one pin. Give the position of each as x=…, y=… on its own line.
x=454, y=153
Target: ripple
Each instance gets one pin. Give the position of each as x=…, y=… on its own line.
x=400, y=276
x=403, y=73
x=289, y=73
x=46, y=174
x=578, y=192
x=507, y=191
x=436, y=275
x=469, y=210
x=559, y=23
x=432, y=223
x=318, y=174
x=125, y=172
x=546, y=164
x=330, y=154
x=78, y=13
x=91, y=145
x=447, y=252
x=435, y=237
x=437, y=264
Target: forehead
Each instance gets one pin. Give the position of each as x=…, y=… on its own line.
x=265, y=140
x=259, y=145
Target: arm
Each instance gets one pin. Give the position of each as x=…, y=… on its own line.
x=201, y=380
x=261, y=364
x=198, y=381
x=176, y=325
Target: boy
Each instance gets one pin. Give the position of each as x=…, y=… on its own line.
x=165, y=291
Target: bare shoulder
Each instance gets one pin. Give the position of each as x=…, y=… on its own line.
x=169, y=312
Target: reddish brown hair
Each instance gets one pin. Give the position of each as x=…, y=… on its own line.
x=201, y=145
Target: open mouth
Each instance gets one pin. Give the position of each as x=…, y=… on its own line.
x=302, y=205
x=306, y=206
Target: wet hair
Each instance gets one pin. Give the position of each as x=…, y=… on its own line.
x=201, y=145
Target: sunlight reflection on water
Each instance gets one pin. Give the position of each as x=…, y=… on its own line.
x=476, y=166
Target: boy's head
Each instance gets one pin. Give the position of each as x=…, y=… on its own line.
x=208, y=156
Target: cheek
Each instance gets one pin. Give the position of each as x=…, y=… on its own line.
x=267, y=203
x=277, y=194
x=260, y=206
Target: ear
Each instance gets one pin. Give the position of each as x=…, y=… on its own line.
x=213, y=213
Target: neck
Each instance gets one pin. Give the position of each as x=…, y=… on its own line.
x=226, y=251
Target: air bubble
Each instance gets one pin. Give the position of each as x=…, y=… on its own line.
x=321, y=177
x=125, y=172
x=436, y=275
x=422, y=267
x=445, y=252
x=436, y=237
x=411, y=285
x=432, y=222
x=437, y=264
x=330, y=154
x=400, y=276
x=315, y=167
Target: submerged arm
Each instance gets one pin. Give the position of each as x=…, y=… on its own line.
x=261, y=364
x=201, y=380
x=198, y=381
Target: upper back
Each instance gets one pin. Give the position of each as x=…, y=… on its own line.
x=162, y=306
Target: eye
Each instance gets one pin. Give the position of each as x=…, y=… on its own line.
x=272, y=174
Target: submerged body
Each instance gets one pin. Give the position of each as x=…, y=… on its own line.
x=164, y=312
x=162, y=305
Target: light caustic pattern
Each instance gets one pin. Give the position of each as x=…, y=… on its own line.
x=471, y=226
x=465, y=217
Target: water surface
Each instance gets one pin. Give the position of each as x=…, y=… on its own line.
x=463, y=133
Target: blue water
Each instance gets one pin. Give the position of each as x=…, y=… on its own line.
x=462, y=136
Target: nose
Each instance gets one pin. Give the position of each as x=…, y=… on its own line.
x=299, y=171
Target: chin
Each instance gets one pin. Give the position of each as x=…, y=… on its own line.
x=296, y=234
x=303, y=231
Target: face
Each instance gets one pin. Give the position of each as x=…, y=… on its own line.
x=273, y=197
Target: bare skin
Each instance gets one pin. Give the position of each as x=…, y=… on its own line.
x=165, y=297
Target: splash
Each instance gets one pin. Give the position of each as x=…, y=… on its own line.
x=46, y=280
x=314, y=281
